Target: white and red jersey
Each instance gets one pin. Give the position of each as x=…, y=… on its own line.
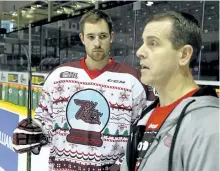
x=88, y=114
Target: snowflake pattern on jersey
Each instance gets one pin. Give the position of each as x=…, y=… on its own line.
x=88, y=122
x=124, y=96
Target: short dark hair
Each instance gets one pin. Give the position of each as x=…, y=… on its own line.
x=94, y=16
x=185, y=30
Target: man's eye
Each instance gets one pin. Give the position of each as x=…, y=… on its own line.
x=91, y=37
x=153, y=43
x=103, y=36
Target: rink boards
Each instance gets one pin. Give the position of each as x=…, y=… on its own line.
x=9, y=160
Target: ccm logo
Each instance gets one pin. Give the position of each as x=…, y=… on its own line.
x=116, y=81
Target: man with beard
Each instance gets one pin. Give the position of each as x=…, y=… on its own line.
x=87, y=107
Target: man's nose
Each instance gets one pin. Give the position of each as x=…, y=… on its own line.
x=97, y=42
x=139, y=52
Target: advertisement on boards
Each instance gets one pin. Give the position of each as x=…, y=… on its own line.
x=11, y=161
x=22, y=78
x=8, y=158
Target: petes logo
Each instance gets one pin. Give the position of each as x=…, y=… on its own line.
x=68, y=74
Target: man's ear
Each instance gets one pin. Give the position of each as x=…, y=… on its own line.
x=112, y=36
x=185, y=55
x=81, y=37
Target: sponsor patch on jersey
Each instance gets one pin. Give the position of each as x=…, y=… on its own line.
x=67, y=74
x=116, y=81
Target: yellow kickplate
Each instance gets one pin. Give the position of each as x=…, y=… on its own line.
x=14, y=108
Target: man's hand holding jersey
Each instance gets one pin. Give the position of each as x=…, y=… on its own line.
x=28, y=136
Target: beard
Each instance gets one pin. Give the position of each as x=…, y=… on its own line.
x=97, y=55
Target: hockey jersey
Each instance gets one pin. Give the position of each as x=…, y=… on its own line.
x=88, y=116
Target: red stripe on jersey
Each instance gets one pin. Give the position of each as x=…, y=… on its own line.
x=95, y=73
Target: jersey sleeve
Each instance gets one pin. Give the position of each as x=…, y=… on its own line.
x=139, y=100
x=139, y=103
x=44, y=109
